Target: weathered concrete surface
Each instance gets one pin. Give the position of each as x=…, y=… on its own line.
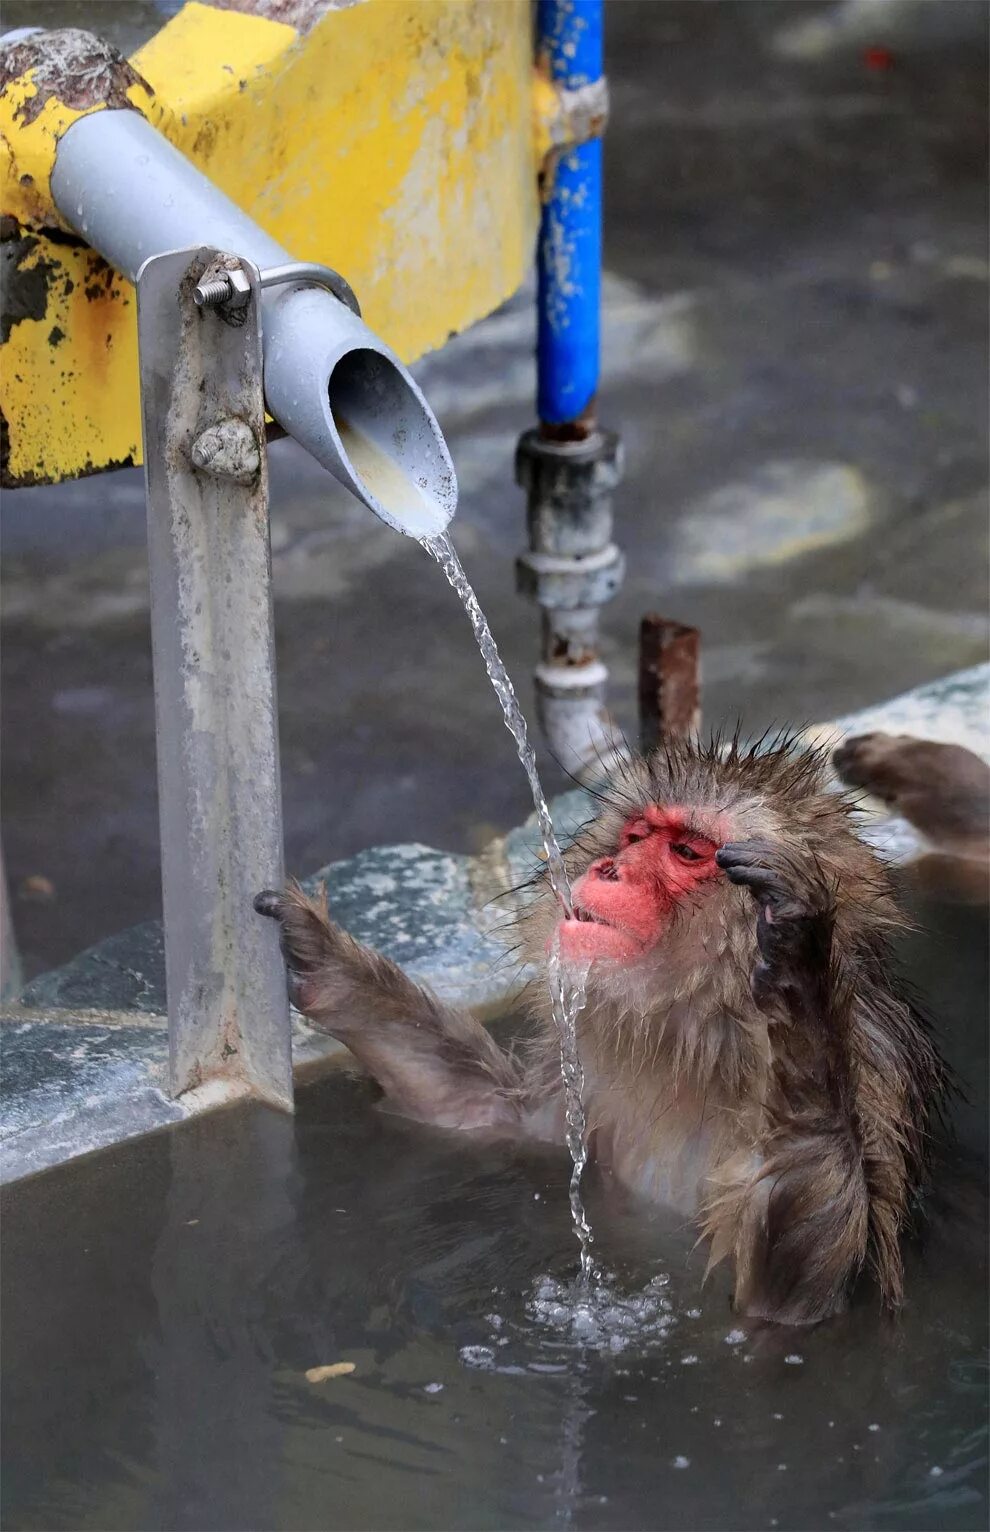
x=795, y=323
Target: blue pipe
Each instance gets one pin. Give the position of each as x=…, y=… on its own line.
x=569, y=41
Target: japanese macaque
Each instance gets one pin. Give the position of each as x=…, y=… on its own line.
x=748, y=1056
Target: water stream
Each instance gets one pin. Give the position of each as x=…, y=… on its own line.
x=566, y=981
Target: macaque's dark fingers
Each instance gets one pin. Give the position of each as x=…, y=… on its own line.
x=751, y=862
x=309, y=940
x=759, y=880
x=793, y=927
x=310, y=937
x=793, y=886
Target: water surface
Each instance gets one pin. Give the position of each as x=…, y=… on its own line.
x=164, y=1300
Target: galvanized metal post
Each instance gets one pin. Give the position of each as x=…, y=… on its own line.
x=569, y=466
x=220, y=800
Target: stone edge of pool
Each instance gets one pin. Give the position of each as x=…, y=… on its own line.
x=85, y=1048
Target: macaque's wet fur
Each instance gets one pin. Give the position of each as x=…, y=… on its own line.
x=944, y=791
x=749, y=1057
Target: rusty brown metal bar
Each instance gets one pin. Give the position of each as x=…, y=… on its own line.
x=669, y=680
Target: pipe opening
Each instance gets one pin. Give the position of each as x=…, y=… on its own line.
x=390, y=444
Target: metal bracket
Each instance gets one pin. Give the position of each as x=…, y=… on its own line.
x=226, y=290
x=220, y=801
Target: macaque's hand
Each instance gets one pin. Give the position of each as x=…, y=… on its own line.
x=307, y=937
x=944, y=790
x=794, y=925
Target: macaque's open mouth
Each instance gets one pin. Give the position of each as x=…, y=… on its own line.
x=587, y=935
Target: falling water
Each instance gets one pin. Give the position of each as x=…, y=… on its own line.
x=567, y=981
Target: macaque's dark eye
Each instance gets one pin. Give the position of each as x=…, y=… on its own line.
x=638, y=830
x=685, y=853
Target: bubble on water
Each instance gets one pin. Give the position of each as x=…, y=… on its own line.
x=717, y=1421
x=936, y=1472
x=694, y=1313
x=432, y=1388
x=794, y=1360
x=873, y=1427
x=481, y=1357
x=735, y=1337
x=690, y=1360
x=681, y=1462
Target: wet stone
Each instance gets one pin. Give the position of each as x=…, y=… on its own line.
x=124, y=973
x=70, y=1086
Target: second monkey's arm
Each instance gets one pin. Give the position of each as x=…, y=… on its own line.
x=433, y=1062
x=798, y=1224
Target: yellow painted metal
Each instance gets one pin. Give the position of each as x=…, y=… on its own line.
x=394, y=141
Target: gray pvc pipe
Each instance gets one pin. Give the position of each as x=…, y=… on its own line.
x=329, y=380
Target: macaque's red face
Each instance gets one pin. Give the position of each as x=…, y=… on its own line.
x=624, y=902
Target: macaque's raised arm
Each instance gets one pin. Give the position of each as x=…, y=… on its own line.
x=433, y=1062
x=798, y=1221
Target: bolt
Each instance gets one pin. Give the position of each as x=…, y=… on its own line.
x=210, y=295
x=229, y=290
x=228, y=450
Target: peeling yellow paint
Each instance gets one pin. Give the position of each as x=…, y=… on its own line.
x=394, y=142
x=27, y=149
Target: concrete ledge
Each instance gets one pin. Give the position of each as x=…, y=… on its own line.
x=85, y=1048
